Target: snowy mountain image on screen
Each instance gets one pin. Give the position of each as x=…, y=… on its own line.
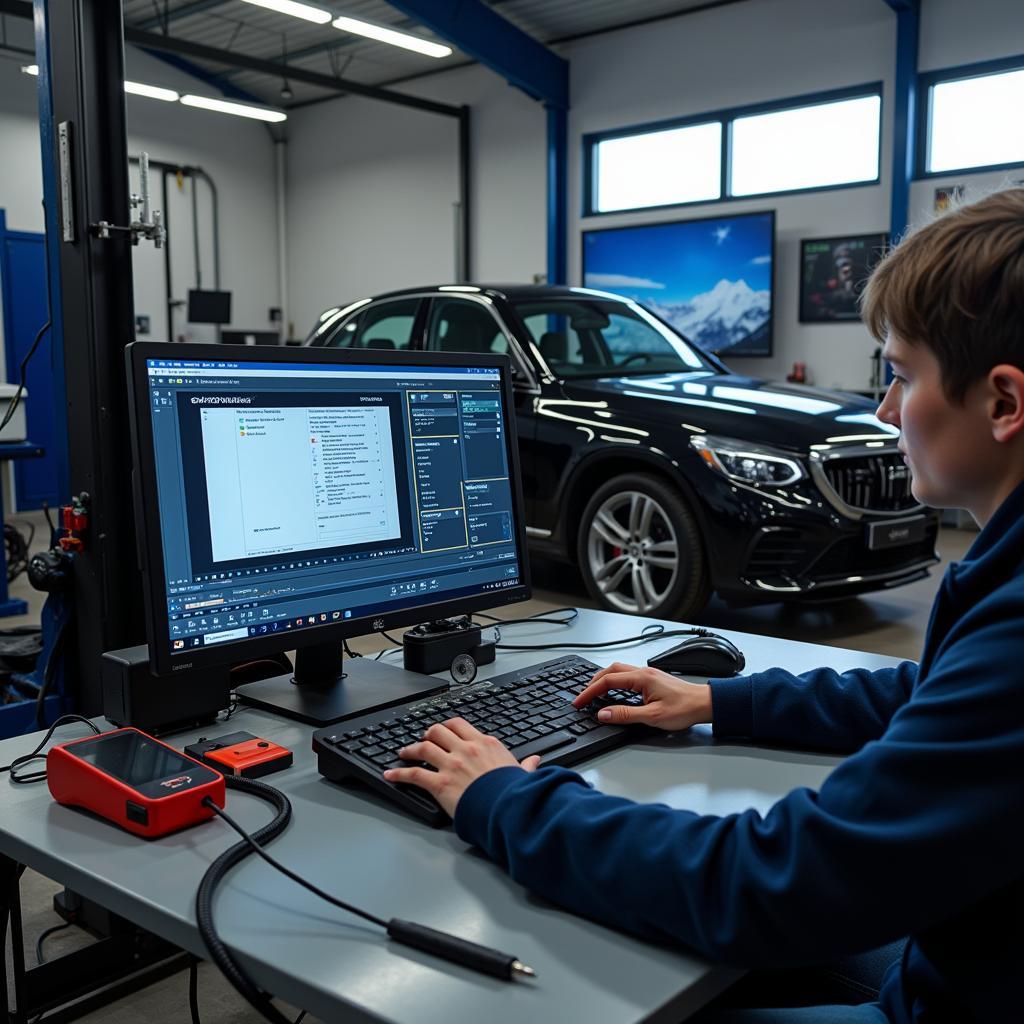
x=721, y=319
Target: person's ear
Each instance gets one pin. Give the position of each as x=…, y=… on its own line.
x=1006, y=401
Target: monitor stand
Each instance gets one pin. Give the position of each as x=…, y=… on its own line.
x=326, y=687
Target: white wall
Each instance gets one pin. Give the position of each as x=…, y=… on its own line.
x=236, y=153
x=371, y=188
x=731, y=56
x=735, y=56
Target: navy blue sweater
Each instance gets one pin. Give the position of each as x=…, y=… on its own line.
x=920, y=831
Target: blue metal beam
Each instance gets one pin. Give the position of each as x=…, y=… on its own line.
x=488, y=38
x=904, y=113
x=558, y=195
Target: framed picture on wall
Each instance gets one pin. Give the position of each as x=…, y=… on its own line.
x=833, y=272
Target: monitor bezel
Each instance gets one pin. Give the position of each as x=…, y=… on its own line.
x=163, y=661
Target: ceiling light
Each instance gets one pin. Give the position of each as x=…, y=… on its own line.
x=154, y=92
x=240, y=109
x=296, y=10
x=31, y=69
x=389, y=35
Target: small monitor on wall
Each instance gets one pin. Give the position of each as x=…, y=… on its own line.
x=833, y=272
x=209, y=307
x=710, y=279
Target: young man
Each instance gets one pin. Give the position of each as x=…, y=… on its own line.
x=920, y=831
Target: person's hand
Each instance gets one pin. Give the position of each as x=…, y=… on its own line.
x=461, y=754
x=669, y=703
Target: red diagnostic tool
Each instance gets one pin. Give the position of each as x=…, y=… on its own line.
x=133, y=780
x=241, y=753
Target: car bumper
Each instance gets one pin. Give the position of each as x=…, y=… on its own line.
x=791, y=543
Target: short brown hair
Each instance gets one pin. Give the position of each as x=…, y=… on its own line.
x=956, y=286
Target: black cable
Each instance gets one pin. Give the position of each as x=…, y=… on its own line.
x=654, y=631
x=36, y=756
x=349, y=653
x=539, y=617
x=300, y=1018
x=42, y=938
x=50, y=674
x=219, y=954
x=193, y=990
x=390, y=639
x=287, y=872
x=470, y=954
x=17, y=551
x=49, y=518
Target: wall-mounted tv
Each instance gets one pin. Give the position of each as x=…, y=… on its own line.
x=711, y=279
x=833, y=272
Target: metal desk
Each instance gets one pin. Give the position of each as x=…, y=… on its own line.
x=352, y=844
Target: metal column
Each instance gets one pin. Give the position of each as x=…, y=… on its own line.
x=85, y=169
x=908, y=17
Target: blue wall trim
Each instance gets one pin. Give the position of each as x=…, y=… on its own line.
x=558, y=195
x=904, y=114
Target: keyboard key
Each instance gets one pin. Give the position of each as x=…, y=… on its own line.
x=544, y=744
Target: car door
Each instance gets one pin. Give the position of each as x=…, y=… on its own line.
x=470, y=325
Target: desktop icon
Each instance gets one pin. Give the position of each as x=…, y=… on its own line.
x=179, y=644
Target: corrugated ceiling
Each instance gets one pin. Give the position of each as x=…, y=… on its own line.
x=243, y=28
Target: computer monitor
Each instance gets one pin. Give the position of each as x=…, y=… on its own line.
x=206, y=307
x=292, y=498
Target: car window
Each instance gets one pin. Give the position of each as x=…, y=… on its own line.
x=581, y=337
x=387, y=325
x=457, y=325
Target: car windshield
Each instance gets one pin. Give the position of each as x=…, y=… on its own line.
x=584, y=337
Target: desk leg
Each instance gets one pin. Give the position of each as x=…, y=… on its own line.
x=10, y=910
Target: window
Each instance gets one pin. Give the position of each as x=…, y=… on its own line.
x=387, y=325
x=458, y=325
x=682, y=165
x=806, y=147
x=599, y=338
x=975, y=122
x=821, y=141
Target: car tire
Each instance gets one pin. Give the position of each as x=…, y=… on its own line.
x=640, y=550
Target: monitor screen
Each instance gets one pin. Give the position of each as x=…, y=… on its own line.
x=209, y=307
x=298, y=497
x=710, y=279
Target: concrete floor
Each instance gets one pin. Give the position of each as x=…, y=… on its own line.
x=891, y=623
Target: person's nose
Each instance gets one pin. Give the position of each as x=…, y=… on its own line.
x=888, y=410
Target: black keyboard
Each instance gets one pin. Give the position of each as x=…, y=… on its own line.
x=529, y=710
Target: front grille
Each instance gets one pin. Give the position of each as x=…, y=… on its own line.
x=877, y=482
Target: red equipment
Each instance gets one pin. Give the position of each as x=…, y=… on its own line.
x=133, y=780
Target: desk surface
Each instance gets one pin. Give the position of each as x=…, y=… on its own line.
x=354, y=845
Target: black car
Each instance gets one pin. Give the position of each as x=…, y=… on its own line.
x=663, y=474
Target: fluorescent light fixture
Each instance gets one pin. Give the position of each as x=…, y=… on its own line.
x=239, y=109
x=154, y=92
x=296, y=10
x=389, y=35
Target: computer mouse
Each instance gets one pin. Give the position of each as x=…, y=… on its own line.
x=711, y=656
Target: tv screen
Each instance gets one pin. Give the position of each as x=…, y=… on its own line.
x=711, y=279
x=209, y=307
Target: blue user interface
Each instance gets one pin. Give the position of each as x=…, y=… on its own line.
x=295, y=494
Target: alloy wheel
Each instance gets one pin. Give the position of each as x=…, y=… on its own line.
x=633, y=552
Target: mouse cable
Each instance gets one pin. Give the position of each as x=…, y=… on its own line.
x=574, y=614
x=441, y=944
x=37, y=756
x=654, y=631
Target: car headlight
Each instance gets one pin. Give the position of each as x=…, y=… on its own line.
x=748, y=463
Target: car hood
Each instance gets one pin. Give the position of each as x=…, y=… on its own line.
x=790, y=416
